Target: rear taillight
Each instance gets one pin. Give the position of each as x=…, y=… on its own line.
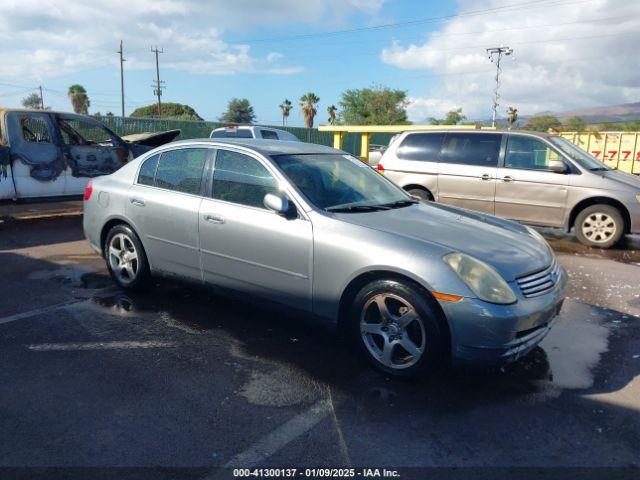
x=88, y=190
x=380, y=168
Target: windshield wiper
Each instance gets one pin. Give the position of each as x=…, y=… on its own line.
x=357, y=208
x=399, y=203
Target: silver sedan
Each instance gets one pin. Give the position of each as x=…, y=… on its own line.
x=415, y=284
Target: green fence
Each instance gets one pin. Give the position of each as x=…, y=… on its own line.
x=200, y=129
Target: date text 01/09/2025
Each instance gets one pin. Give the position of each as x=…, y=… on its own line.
x=316, y=472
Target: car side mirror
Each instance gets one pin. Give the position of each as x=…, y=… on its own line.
x=558, y=166
x=279, y=203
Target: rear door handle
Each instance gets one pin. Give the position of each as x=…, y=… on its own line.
x=137, y=201
x=213, y=218
x=508, y=179
x=485, y=176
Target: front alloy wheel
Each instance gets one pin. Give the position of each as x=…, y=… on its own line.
x=398, y=327
x=600, y=226
x=392, y=331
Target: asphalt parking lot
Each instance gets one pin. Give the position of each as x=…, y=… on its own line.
x=185, y=378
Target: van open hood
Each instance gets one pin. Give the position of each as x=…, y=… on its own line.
x=152, y=139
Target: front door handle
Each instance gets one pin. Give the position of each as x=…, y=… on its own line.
x=485, y=176
x=213, y=218
x=137, y=201
x=508, y=179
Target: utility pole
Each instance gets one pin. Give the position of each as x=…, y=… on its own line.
x=122, y=60
x=158, y=86
x=495, y=55
x=41, y=99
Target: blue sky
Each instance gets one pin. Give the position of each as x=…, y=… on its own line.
x=216, y=50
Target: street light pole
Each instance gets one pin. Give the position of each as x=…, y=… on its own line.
x=495, y=55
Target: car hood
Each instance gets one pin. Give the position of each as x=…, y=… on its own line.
x=624, y=178
x=507, y=246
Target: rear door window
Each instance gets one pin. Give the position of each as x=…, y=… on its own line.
x=147, y=173
x=477, y=149
x=422, y=147
x=181, y=170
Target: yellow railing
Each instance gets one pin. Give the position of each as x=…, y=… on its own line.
x=365, y=131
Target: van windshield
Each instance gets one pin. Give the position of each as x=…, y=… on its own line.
x=584, y=158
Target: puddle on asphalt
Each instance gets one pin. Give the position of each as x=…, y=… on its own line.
x=286, y=358
x=628, y=251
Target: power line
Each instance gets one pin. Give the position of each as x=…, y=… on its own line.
x=506, y=7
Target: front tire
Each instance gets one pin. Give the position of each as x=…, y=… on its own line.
x=395, y=326
x=600, y=226
x=421, y=194
x=126, y=260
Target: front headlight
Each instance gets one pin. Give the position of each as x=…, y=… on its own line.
x=482, y=279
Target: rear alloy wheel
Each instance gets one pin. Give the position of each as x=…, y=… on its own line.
x=125, y=257
x=396, y=328
x=599, y=226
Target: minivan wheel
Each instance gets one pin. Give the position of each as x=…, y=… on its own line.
x=396, y=328
x=599, y=226
x=125, y=257
x=420, y=194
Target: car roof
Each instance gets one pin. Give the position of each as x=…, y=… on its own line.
x=264, y=147
x=495, y=132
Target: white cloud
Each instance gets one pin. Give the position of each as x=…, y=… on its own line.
x=45, y=38
x=555, y=67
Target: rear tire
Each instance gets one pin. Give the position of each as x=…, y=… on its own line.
x=421, y=194
x=396, y=328
x=600, y=226
x=126, y=260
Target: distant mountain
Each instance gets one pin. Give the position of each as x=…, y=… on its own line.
x=611, y=113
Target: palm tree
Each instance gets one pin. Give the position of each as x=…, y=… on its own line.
x=512, y=116
x=79, y=99
x=308, y=104
x=332, y=114
x=285, y=106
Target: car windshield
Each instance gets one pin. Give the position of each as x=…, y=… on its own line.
x=341, y=183
x=584, y=158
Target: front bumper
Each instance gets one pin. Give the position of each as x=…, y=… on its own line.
x=486, y=334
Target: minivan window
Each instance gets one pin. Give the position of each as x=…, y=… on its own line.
x=421, y=147
x=479, y=149
x=181, y=170
x=528, y=153
x=584, y=158
x=269, y=134
x=148, y=170
x=242, y=179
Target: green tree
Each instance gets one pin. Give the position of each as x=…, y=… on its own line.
x=542, y=123
x=373, y=106
x=632, y=126
x=575, y=124
x=32, y=100
x=453, y=117
x=308, y=103
x=169, y=110
x=286, y=107
x=239, y=110
x=79, y=99
x=512, y=116
x=331, y=110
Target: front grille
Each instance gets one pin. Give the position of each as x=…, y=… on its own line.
x=541, y=282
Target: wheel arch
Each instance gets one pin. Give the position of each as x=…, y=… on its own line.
x=416, y=186
x=355, y=285
x=112, y=222
x=587, y=202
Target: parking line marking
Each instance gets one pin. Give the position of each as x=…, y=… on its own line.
x=52, y=347
x=37, y=311
x=281, y=436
